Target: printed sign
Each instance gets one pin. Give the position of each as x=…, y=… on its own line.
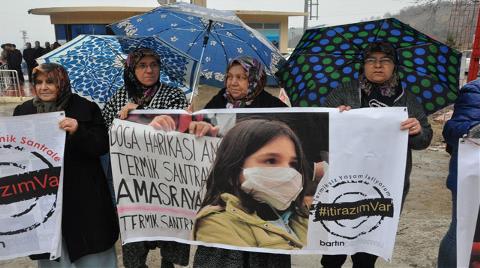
x=468, y=203
x=295, y=181
x=31, y=159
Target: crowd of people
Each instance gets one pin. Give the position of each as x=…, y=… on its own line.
x=238, y=200
x=13, y=57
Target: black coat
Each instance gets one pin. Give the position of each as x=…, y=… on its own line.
x=89, y=221
x=263, y=100
x=14, y=59
x=29, y=55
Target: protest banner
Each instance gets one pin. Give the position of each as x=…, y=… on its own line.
x=172, y=185
x=31, y=160
x=468, y=203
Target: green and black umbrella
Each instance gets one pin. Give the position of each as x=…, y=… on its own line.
x=326, y=57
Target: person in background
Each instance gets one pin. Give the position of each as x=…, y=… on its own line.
x=14, y=61
x=465, y=121
x=89, y=222
x=379, y=85
x=39, y=51
x=143, y=90
x=55, y=45
x=47, y=48
x=29, y=57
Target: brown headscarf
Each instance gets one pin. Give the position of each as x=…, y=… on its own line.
x=59, y=76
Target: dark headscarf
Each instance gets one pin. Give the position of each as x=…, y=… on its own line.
x=59, y=76
x=257, y=78
x=384, y=94
x=140, y=93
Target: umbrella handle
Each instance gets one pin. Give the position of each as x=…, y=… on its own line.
x=197, y=72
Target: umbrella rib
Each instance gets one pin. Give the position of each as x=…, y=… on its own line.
x=194, y=41
x=182, y=19
x=217, y=36
x=256, y=52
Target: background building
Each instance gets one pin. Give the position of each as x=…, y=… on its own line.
x=70, y=22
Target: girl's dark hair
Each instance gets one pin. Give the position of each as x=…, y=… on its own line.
x=243, y=140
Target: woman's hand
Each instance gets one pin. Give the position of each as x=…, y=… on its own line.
x=200, y=129
x=413, y=126
x=123, y=113
x=163, y=122
x=342, y=108
x=68, y=124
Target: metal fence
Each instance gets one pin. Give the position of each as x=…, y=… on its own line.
x=9, y=83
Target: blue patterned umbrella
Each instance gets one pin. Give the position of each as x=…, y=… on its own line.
x=326, y=57
x=185, y=27
x=95, y=63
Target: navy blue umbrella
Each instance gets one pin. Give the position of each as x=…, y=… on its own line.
x=212, y=36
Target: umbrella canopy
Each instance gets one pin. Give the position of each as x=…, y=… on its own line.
x=326, y=57
x=184, y=26
x=95, y=63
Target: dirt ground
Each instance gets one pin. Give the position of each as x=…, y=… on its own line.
x=423, y=223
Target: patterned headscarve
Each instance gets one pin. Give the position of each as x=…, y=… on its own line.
x=386, y=93
x=139, y=93
x=57, y=74
x=257, y=78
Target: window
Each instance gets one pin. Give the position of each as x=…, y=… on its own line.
x=270, y=30
x=69, y=31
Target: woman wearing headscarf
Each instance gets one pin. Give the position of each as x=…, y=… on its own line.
x=379, y=85
x=143, y=90
x=244, y=87
x=89, y=222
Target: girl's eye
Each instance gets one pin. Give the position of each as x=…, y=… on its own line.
x=271, y=161
x=293, y=164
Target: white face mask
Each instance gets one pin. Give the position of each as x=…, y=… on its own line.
x=276, y=186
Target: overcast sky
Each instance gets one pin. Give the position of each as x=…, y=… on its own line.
x=15, y=18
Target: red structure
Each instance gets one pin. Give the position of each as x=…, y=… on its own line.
x=473, y=68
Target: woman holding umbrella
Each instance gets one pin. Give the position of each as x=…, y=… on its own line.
x=379, y=85
x=143, y=90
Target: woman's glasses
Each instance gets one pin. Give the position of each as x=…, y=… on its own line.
x=382, y=61
x=143, y=66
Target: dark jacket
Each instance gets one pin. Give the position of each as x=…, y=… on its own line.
x=14, y=59
x=263, y=100
x=465, y=116
x=29, y=56
x=349, y=94
x=206, y=257
x=89, y=221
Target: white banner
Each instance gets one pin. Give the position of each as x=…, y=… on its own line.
x=468, y=201
x=159, y=178
x=31, y=161
x=357, y=209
